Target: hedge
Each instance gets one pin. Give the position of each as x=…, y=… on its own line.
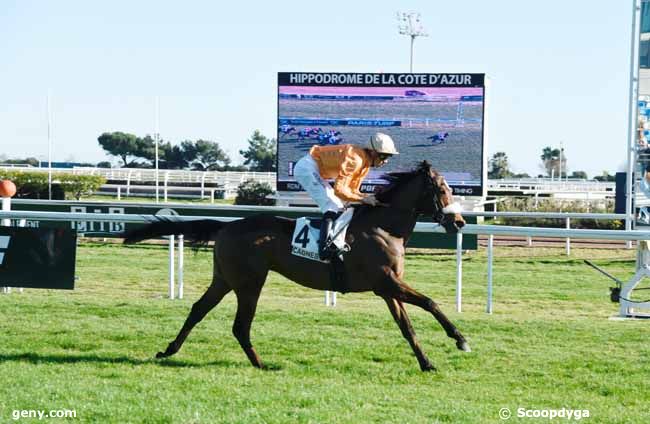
x=34, y=185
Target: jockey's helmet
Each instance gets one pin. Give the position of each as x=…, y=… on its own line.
x=382, y=143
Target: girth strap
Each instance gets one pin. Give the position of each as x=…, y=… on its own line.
x=337, y=275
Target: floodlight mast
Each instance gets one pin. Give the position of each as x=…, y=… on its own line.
x=409, y=24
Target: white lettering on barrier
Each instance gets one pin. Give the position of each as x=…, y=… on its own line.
x=100, y=226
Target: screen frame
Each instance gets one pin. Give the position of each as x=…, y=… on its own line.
x=332, y=79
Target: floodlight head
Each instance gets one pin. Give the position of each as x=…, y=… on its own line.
x=409, y=24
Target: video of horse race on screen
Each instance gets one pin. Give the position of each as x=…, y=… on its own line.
x=443, y=125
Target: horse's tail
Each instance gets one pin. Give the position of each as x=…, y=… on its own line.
x=200, y=231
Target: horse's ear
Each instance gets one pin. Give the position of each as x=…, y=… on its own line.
x=425, y=166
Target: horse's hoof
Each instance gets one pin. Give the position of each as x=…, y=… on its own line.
x=161, y=355
x=463, y=346
x=428, y=368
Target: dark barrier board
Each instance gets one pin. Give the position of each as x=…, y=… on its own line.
x=42, y=258
x=115, y=229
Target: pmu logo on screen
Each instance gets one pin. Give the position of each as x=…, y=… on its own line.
x=4, y=244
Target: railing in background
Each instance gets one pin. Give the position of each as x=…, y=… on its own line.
x=204, y=183
x=489, y=230
x=228, y=182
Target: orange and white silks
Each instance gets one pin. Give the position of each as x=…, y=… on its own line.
x=347, y=164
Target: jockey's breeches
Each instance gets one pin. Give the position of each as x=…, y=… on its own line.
x=307, y=174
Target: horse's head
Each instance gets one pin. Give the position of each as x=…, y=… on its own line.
x=437, y=200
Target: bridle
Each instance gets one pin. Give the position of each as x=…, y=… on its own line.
x=432, y=196
x=429, y=202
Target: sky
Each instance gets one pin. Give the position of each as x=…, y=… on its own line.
x=558, y=69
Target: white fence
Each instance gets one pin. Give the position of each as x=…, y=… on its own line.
x=203, y=183
x=206, y=183
x=552, y=186
x=490, y=230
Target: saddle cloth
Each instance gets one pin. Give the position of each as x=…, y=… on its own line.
x=304, y=242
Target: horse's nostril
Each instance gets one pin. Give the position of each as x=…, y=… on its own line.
x=460, y=224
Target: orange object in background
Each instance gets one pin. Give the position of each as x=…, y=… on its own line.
x=7, y=188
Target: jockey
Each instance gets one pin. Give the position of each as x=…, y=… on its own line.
x=348, y=165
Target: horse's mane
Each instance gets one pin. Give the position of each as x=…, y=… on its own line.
x=398, y=179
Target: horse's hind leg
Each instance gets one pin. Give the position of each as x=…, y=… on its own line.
x=241, y=328
x=217, y=290
x=401, y=318
x=392, y=286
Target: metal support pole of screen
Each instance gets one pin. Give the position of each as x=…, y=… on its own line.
x=633, y=112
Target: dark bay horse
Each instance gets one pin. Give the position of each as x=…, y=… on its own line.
x=246, y=250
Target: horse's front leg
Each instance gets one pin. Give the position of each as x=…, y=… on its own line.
x=401, y=318
x=392, y=286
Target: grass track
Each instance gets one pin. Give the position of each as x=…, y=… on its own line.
x=549, y=344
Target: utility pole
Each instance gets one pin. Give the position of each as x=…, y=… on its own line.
x=156, y=140
x=409, y=24
x=561, y=160
x=49, y=148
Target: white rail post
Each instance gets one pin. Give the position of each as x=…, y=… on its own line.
x=330, y=298
x=529, y=241
x=181, y=246
x=128, y=183
x=119, y=192
x=166, y=180
x=21, y=223
x=568, y=240
x=171, y=266
x=459, y=271
x=6, y=206
x=489, y=273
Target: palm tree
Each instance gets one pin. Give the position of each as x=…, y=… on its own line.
x=551, y=161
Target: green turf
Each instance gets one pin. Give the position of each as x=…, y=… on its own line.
x=548, y=345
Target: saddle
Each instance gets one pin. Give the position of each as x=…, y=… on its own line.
x=304, y=243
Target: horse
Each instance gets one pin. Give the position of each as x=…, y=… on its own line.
x=331, y=138
x=438, y=138
x=247, y=249
x=286, y=130
x=309, y=133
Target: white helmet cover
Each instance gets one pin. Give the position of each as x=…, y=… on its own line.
x=382, y=143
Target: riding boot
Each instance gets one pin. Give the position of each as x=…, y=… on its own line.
x=324, y=252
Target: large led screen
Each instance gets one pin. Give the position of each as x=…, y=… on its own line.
x=437, y=117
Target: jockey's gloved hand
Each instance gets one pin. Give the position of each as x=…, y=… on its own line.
x=370, y=200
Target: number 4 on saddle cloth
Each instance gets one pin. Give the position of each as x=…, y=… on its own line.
x=304, y=243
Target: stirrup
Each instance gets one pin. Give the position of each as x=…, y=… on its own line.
x=329, y=252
